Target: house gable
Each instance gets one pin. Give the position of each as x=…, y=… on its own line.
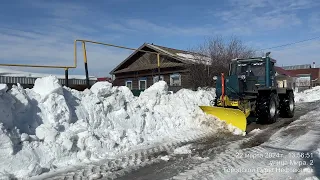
x=142, y=60
x=150, y=60
x=127, y=61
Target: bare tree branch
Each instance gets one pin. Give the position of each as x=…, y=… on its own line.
x=219, y=53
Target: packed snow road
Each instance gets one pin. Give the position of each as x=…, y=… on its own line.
x=208, y=149
x=292, y=152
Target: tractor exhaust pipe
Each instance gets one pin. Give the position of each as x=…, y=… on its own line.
x=268, y=69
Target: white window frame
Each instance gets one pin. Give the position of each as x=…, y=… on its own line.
x=127, y=84
x=155, y=78
x=171, y=80
x=145, y=87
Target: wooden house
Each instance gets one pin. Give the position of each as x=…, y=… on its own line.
x=140, y=70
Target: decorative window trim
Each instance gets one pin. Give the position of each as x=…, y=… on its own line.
x=176, y=75
x=145, y=85
x=129, y=81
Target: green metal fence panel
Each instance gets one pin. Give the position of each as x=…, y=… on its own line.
x=136, y=92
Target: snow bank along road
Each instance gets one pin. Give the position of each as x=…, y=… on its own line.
x=50, y=130
x=220, y=155
x=217, y=156
x=288, y=149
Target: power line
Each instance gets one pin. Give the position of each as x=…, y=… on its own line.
x=289, y=44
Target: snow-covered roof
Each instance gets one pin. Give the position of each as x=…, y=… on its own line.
x=301, y=66
x=183, y=55
x=196, y=58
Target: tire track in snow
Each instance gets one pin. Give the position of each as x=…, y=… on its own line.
x=211, y=145
x=216, y=169
x=253, y=160
x=122, y=165
x=221, y=166
x=171, y=168
x=156, y=159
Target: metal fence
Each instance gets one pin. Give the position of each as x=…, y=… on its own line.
x=31, y=80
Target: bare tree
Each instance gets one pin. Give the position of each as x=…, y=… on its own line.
x=213, y=58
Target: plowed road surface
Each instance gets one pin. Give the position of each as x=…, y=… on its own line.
x=211, y=148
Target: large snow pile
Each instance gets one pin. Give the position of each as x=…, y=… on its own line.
x=309, y=95
x=52, y=126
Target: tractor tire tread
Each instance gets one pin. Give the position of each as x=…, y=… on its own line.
x=285, y=111
x=263, y=110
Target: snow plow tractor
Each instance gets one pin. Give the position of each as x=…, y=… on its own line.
x=252, y=88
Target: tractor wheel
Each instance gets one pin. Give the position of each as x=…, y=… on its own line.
x=287, y=105
x=267, y=108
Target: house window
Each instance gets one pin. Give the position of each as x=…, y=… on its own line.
x=142, y=84
x=129, y=84
x=175, y=80
x=156, y=78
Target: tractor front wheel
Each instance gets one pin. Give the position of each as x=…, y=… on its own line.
x=267, y=108
x=287, y=105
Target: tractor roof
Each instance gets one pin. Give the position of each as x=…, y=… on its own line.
x=253, y=59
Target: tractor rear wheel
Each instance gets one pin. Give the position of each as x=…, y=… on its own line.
x=287, y=105
x=267, y=108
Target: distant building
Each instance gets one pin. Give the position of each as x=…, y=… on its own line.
x=307, y=75
x=105, y=79
x=284, y=78
x=280, y=71
x=302, y=66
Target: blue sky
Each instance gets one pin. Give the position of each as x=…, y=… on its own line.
x=43, y=31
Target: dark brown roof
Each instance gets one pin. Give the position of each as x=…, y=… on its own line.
x=315, y=72
x=171, y=52
x=284, y=72
x=147, y=67
x=178, y=54
x=177, y=51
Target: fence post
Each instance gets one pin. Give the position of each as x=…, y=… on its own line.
x=85, y=63
x=158, y=59
x=66, y=77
